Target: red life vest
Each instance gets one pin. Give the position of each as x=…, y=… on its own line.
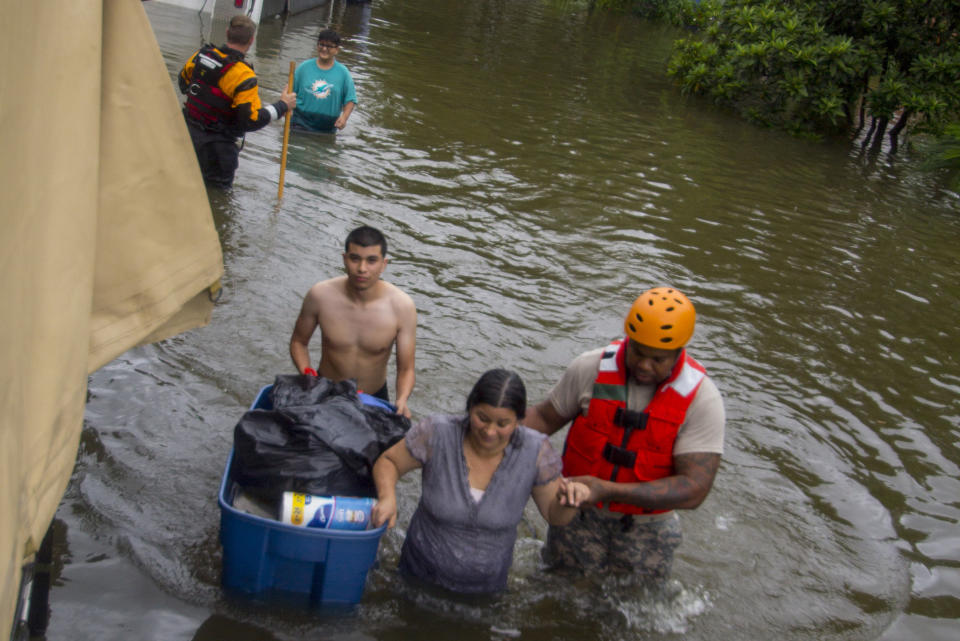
x=624, y=446
x=207, y=104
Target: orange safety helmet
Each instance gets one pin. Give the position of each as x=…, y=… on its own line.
x=661, y=317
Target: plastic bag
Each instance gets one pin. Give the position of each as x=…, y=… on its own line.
x=319, y=438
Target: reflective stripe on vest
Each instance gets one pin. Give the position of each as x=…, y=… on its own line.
x=632, y=446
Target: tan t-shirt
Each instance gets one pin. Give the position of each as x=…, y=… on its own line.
x=701, y=431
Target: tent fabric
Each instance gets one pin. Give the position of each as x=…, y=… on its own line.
x=107, y=237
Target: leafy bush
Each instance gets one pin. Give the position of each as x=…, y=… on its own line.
x=812, y=67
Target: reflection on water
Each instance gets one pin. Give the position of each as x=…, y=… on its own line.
x=533, y=170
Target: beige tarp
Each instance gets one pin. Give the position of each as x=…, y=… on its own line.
x=107, y=236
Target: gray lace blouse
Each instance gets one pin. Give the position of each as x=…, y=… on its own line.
x=454, y=541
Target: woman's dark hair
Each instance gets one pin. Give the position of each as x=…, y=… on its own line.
x=499, y=388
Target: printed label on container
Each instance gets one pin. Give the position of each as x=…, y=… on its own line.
x=333, y=512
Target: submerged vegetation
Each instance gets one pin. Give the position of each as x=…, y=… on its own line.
x=944, y=155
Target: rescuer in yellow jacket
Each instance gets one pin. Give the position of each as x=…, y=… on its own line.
x=223, y=102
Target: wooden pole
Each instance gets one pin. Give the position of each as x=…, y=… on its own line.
x=286, y=134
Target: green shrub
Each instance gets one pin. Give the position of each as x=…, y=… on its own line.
x=811, y=66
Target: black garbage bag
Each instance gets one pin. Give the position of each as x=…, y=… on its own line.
x=319, y=438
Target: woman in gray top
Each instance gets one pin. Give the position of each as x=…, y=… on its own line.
x=479, y=469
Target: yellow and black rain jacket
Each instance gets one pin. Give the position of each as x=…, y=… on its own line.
x=222, y=94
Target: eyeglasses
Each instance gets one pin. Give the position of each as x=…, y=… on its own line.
x=327, y=45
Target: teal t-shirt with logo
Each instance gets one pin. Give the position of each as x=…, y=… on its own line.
x=321, y=94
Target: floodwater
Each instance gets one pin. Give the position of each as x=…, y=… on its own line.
x=534, y=170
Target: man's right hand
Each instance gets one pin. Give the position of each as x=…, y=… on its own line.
x=572, y=493
x=309, y=371
x=402, y=409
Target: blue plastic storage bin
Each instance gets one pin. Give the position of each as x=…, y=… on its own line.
x=302, y=566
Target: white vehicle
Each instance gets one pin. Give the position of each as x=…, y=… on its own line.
x=253, y=8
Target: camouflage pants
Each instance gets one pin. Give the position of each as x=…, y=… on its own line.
x=594, y=541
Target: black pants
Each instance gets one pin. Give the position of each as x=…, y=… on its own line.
x=383, y=393
x=217, y=154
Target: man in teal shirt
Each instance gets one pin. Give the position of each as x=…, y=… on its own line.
x=327, y=95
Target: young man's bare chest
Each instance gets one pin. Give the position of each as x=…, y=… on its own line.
x=369, y=327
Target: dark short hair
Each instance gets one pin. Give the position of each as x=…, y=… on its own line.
x=241, y=29
x=329, y=35
x=366, y=236
x=500, y=388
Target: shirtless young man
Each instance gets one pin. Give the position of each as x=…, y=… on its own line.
x=360, y=317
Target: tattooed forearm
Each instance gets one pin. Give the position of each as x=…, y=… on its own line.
x=691, y=482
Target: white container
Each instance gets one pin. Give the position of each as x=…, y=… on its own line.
x=333, y=512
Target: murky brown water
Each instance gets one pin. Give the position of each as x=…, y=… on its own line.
x=534, y=170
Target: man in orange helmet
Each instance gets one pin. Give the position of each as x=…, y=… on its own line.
x=646, y=437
